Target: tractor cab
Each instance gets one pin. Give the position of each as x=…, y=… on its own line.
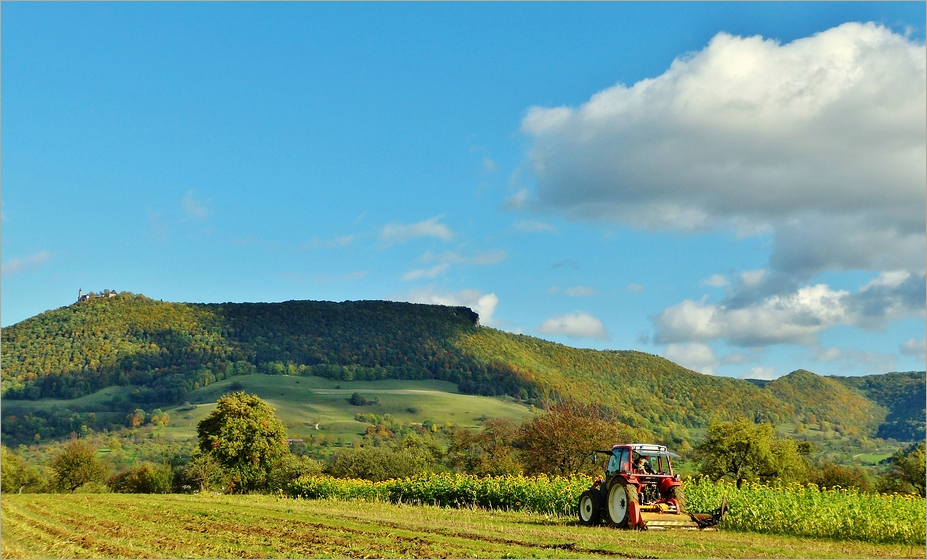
x=640, y=459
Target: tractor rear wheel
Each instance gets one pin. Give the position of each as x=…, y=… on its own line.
x=620, y=496
x=589, y=511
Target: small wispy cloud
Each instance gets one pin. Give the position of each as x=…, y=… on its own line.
x=480, y=258
x=335, y=243
x=420, y=273
x=517, y=201
x=715, y=281
x=193, y=208
x=342, y=278
x=635, y=288
x=533, y=226
x=400, y=233
x=25, y=264
x=581, y=291
x=489, y=165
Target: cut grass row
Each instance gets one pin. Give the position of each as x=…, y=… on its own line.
x=208, y=526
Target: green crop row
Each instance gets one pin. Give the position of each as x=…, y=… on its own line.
x=801, y=511
x=542, y=494
x=810, y=511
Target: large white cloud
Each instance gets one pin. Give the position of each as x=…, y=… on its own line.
x=575, y=325
x=795, y=317
x=693, y=355
x=824, y=135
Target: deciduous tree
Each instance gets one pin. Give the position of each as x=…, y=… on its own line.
x=744, y=451
x=488, y=452
x=560, y=440
x=77, y=464
x=244, y=436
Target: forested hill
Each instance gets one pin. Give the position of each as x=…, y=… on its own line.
x=170, y=349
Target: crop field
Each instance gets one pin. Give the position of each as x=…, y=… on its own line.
x=256, y=526
x=794, y=510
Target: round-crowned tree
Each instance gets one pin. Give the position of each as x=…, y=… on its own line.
x=244, y=436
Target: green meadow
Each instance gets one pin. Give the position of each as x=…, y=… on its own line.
x=314, y=405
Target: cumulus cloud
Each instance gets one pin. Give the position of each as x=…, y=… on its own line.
x=25, y=264
x=853, y=359
x=401, y=233
x=193, y=208
x=483, y=304
x=575, y=325
x=693, y=355
x=761, y=372
x=915, y=347
x=795, y=317
x=821, y=136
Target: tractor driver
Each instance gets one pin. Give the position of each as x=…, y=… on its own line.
x=642, y=465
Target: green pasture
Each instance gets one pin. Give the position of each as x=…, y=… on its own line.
x=302, y=403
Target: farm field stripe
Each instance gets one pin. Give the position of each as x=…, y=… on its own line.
x=266, y=526
x=68, y=534
x=31, y=541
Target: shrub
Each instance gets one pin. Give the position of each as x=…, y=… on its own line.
x=145, y=478
x=376, y=463
x=289, y=468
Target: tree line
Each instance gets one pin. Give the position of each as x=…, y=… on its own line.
x=243, y=447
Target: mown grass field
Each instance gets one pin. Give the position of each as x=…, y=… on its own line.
x=210, y=526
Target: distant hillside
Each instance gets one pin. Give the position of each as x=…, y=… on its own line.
x=903, y=394
x=166, y=350
x=813, y=399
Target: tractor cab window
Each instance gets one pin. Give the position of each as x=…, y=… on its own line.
x=619, y=461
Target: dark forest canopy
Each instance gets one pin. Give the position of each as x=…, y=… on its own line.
x=167, y=350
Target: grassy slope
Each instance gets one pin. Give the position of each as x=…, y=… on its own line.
x=301, y=402
x=173, y=526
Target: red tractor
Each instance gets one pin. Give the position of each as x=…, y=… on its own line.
x=640, y=491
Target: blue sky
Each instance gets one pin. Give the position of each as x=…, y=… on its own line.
x=736, y=186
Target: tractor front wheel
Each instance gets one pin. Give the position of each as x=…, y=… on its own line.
x=675, y=493
x=620, y=497
x=589, y=512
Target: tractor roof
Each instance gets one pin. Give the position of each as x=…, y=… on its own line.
x=643, y=447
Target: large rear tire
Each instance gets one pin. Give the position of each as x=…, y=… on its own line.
x=620, y=496
x=589, y=511
x=675, y=493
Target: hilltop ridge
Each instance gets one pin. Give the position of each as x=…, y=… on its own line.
x=167, y=350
